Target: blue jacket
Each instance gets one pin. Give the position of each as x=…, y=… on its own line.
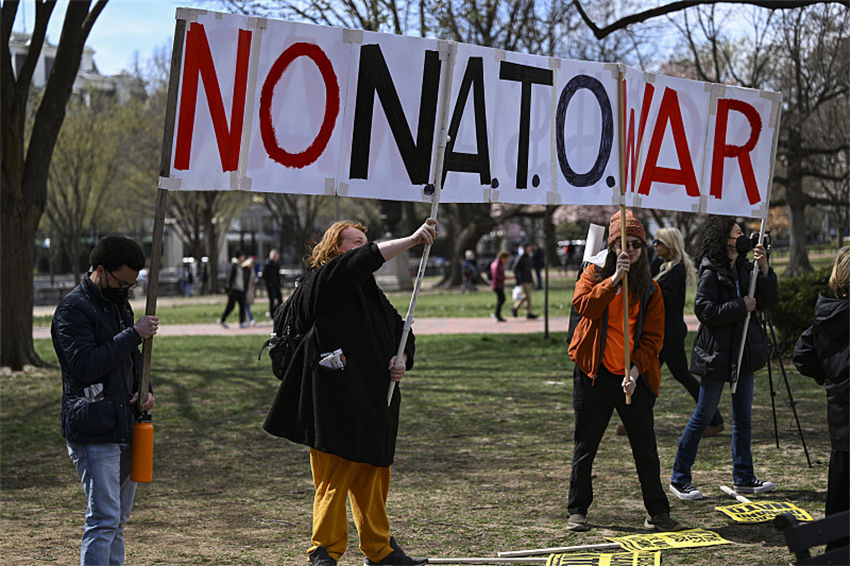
x=95, y=342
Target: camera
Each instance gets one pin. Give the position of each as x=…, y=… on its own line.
x=754, y=240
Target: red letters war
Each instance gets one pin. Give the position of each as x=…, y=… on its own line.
x=275, y=106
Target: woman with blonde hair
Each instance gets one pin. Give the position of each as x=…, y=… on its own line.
x=333, y=396
x=673, y=269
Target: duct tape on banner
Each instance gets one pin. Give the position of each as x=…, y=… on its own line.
x=330, y=186
x=613, y=68
x=189, y=14
x=169, y=183
x=352, y=36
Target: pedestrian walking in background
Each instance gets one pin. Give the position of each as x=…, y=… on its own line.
x=468, y=272
x=271, y=278
x=186, y=280
x=249, y=273
x=497, y=282
x=538, y=261
x=524, y=278
x=235, y=288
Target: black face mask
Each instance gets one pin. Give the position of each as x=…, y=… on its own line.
x=117, y=295
x=743, y=244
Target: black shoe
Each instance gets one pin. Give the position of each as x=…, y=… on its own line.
x=663, y=523
x=397, y=558
x=513, y=311
x=320, y=557
x=531, y=315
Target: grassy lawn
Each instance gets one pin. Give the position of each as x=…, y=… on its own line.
x=482, y=464
x=432, y=302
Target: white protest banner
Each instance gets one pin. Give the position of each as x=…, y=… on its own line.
x=274, y=106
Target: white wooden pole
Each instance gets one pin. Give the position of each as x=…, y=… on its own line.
x=559, y=549
x=525, y=560
x=621, y=119
x=751, y=293
x=437, y=176
x=734, y=494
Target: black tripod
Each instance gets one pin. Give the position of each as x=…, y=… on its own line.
x=767, y=324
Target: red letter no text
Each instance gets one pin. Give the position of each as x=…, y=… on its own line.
x=312, y=153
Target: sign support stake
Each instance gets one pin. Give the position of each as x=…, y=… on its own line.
x=437, y=176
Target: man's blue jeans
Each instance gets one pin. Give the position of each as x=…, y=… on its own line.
x=742, y=410
x=105, y=474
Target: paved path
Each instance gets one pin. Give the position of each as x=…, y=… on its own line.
x=421, y=326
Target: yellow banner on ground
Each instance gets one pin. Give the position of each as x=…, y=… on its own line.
x=762, y=511
x=616, y=559
x=664, y=541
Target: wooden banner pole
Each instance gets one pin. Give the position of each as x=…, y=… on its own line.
x=487, y=560
x=437, y=176
x=559, y=549
x=751, y=294
x=621, y=111
x=735, y=494
x=161, y=201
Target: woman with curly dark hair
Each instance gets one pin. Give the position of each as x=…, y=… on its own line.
x=722, y=305
x=598, y=348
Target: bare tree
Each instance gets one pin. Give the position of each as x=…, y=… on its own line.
x=26, y=162
x=805, y=54
x=297, y=217
x=83, y=177
x=673, y=7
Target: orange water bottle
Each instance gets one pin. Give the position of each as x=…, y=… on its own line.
x=141, y=461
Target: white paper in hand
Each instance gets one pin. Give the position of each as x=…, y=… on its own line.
x=593, y=249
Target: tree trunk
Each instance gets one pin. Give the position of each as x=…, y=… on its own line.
x=18, y=222
x=798, y=258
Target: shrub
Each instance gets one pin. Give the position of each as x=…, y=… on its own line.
x=797, y=298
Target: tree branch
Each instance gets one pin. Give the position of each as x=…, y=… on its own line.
x=672, y=7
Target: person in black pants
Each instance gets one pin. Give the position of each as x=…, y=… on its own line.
x=271, y=277
x=601, y=379
x=674, y=270
x=823, y=353
x=235, y=287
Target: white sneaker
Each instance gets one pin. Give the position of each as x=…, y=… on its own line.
x=755, y=486
x=685, y=491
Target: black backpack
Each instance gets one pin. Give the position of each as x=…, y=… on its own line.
x=285, y=337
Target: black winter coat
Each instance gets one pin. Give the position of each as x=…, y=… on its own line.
x=719, y=306
x=823, y=353
x=343, y=411
x=522, y=270
x=95, y=342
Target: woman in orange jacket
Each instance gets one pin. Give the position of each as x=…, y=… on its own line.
x=601, y=382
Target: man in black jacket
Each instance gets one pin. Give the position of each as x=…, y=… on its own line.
x=271, y=277
x=97, y=343
x=235, y=287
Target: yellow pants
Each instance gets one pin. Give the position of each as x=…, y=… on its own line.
x=367, y=486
